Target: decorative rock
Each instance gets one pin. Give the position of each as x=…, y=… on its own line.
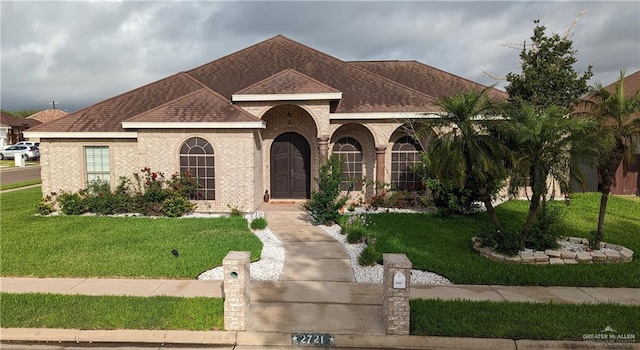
x=575, y=240
x=626, y=254
x=570, y=261
x=513, y=259
x=540, y=257
x=477, y=244
x=583, y=257
x=495, y=256
x=598, y=257
x=612, y=257
x=556, y=261
x=527, y=258
x=552, y=253
x=567, y=255
x=485, y=251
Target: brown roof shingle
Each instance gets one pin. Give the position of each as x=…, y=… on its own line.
x=202, y=105
x=10, y=120
x=289, y=81
x=48, y=115
x=429, y=80
x=277, y=65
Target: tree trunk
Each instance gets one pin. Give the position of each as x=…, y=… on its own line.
x=486, y=199
x=533, y=209
x=607, y=169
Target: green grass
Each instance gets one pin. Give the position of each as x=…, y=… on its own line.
x=80, y=246
x=110, y=312
x=442, y=245
x=486, y=319
x=20, y=184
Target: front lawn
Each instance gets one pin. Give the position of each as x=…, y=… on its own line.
x=443, y=245
x=80, y=246
x=486, y=319
x=110, y=312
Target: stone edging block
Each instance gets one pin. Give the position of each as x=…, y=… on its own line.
x=553, y=257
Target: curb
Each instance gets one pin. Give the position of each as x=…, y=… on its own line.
x=233, y=338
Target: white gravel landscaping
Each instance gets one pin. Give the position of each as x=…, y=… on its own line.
x=271, y=263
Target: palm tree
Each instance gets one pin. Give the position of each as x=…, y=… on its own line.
x=548, y=145
x=465, y=148
x=618, y=118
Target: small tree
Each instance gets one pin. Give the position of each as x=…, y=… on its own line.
x=547, y=77
x=618, y=119
x=548, y=145
x=325, y=203
x=467, y=153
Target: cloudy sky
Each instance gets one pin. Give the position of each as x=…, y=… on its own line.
x=79, y=53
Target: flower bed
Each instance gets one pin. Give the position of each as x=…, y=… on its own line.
x=574, y=252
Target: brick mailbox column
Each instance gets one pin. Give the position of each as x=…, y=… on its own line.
x=396, y=284
x=236, y=290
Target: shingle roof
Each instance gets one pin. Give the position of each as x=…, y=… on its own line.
x=48, y=115
x=10, y=120
x=631, y=84
x=289, y=81
x=429, y=80
x=277, y=65
x=203, y=105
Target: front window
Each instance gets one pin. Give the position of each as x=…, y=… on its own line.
x=404, y=155
x=97, y=163
x=350, y=153
x=197, y=159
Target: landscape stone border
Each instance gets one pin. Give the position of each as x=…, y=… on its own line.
x=619, y=254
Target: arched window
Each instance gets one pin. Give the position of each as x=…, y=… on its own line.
x=196, y=158
x=404, y=154
x=350, y=152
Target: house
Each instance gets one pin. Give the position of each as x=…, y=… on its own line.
x=12, y=128
x=260, y=119
x=48, y=115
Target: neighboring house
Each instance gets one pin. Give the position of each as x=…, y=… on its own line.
x=48, y=115
x=625, y=185
x=260, y=119
x=12, y=128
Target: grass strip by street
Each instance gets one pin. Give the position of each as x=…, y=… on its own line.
x=85, y=246
x=110, y=312
x=20, y=184
x=443, y=244
x=486, y=319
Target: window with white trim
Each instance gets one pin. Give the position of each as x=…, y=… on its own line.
x=197, y=160
x=404, y=155
x=97, y=163
x=350, y=153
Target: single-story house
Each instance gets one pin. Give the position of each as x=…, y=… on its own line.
x=12, y=128
x=260, y=119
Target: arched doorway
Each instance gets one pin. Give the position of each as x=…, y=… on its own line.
x=290, y=167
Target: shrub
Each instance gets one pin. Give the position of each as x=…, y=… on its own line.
x=325, y=203
x=355, y=234
x=184, y=184
x=370, y=255
x=259, y=224
x=71, y=203
x=45, y=206
x=176, y=205
x=504, y=241
x=545, y=231
x=235, y=211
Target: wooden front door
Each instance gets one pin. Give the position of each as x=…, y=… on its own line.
x=290, y=167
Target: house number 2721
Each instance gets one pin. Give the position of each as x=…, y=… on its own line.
x=311, y=339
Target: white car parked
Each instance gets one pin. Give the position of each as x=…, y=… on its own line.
x=24, y=151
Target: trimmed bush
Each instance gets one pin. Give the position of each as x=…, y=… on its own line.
x=259, y=224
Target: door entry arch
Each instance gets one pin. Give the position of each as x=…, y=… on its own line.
x=290, y=167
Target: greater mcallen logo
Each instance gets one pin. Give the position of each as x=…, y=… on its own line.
x=610, y=335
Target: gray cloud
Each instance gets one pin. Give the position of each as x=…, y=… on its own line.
x=82, y=52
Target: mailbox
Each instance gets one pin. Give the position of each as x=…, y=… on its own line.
x=399, y=281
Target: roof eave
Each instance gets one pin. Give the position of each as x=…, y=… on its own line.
x=286, y=97
x=195, y=125
x=81, y=135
